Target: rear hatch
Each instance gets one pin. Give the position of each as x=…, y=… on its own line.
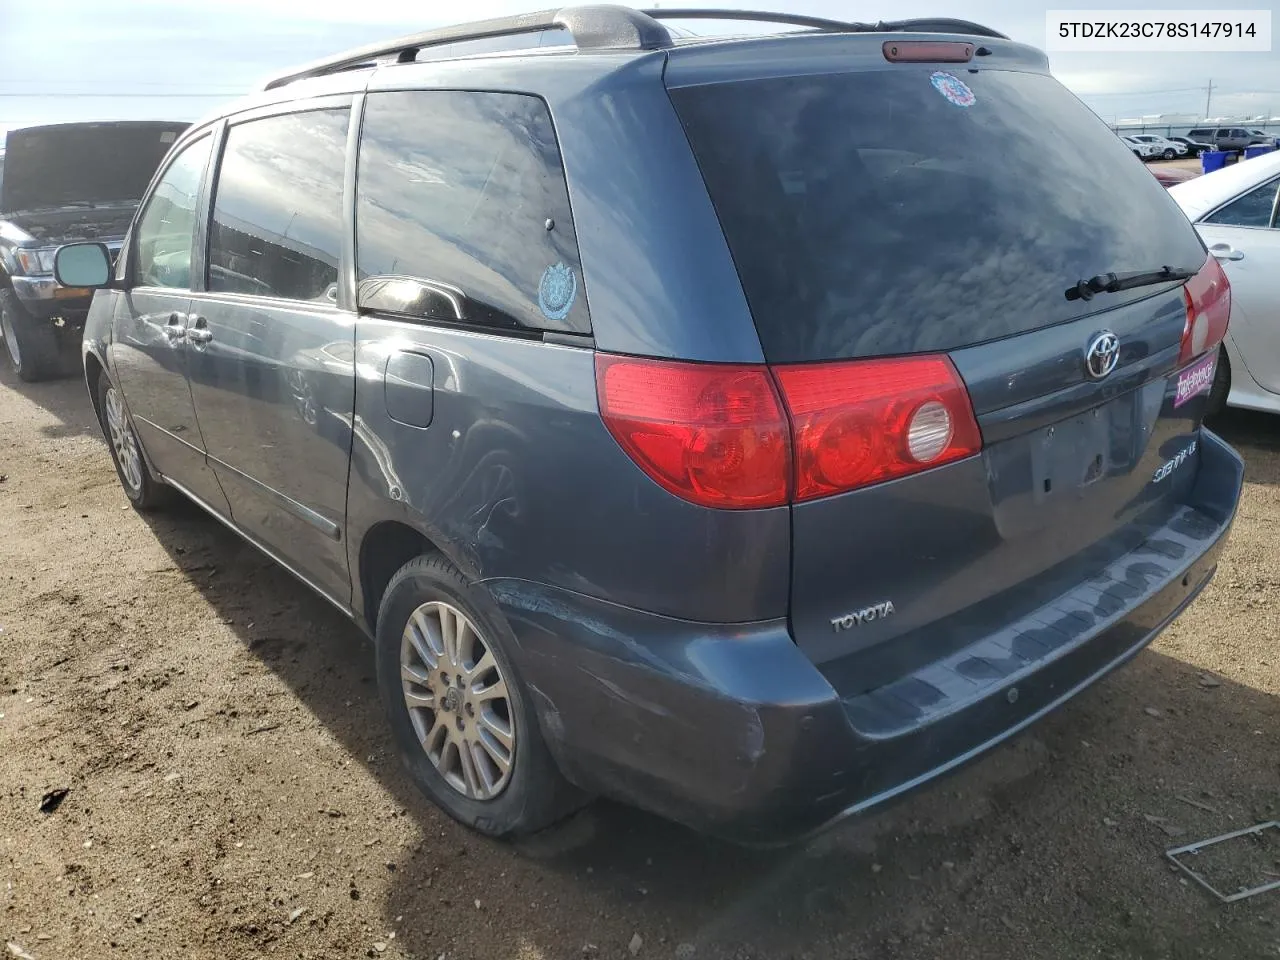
x=941, y=212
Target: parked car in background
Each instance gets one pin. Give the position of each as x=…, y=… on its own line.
x=1235, y=212
x=62, y=183
x=1141, y=149
x=1169, y=175
x=1194, y=147
x=1166, y=149
x=1229, y=138
x=756, y=507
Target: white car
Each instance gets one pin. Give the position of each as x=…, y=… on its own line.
x=1235, y=212
x=1164, y=148
x=1141, y=150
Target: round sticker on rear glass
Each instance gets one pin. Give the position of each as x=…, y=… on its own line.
x=953, y=88
x=556, y=291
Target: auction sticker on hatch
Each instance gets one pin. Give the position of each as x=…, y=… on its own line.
x=1196, y=379
x=953, y=88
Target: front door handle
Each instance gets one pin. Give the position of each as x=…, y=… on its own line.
x=199, y=331
x=1225, y=251
x=175, y=328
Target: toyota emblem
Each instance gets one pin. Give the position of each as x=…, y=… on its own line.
x=1103, y=355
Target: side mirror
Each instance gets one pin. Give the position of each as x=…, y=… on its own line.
x=82, y=265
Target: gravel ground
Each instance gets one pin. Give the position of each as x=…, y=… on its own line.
x=232, y=793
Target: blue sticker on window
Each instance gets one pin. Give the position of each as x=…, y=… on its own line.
x=556, y=291
x=953, y=88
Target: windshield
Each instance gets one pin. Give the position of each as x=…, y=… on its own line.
x=907, y=210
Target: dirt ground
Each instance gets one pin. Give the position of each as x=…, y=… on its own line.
x=233, y=793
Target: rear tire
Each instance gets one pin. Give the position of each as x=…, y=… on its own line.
x=456, y=711
x=144, y=491
x=30, y=344
x=1221, y=388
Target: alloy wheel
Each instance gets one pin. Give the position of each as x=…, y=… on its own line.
x=123, y=441
x=458, y=700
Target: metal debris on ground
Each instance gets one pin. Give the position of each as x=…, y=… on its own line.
x=1172, y=829
x=52, y=800
x=1194, y=848
x=1195, y=803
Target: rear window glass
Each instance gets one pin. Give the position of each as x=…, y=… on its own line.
x=908, y=210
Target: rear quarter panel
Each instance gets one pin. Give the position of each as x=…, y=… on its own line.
x=516, y=477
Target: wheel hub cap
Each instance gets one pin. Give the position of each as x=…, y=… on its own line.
x=123, y=443
x=458, y=700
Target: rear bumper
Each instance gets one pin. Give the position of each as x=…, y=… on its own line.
x=732, y=730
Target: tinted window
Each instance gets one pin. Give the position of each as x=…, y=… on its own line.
x=166, y=230
x=1253, y=209
x=277, y=213
x=1200, y=133
x=456, y=192
x=1224, y=132
x=876, y=213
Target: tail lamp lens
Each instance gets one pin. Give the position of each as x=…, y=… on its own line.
x=866, y=421
x=718, y=434
x=1208, y=300
x=713, y=434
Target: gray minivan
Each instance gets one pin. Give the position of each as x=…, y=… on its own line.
x=751, y=429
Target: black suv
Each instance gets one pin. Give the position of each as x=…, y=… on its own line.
x=66, y=182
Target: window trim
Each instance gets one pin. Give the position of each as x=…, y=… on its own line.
x=130, y=251
x=562, y=337
x=340, y=101
x=1274, y=182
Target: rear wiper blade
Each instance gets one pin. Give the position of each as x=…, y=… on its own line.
x=1115, y=282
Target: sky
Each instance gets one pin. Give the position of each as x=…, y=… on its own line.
x=63, y=60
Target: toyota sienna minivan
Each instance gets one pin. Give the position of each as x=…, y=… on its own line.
x=752, y=429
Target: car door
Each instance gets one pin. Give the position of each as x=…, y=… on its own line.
x=1243, y=235
x=149, y=349
x=270, y=336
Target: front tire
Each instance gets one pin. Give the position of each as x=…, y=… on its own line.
x=144, y=491
x=1169, y=153
x=31, y=344
x=462, y=719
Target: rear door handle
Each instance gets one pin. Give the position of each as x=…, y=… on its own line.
x=199, y=331
x=1225, y=251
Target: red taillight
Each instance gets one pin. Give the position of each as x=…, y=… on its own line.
x=1208, y=298
x=716, y=434
x=866, y=421
x=710, y=433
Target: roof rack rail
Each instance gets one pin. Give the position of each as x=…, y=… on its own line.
x=593, y=27
x=823, y=24
x=938, y=25
x=756, y=16
x=600, y=27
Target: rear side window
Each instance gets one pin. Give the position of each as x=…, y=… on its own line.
x=908, y=210
x=462, y=212
x=1253, y=209
x=277, y=208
